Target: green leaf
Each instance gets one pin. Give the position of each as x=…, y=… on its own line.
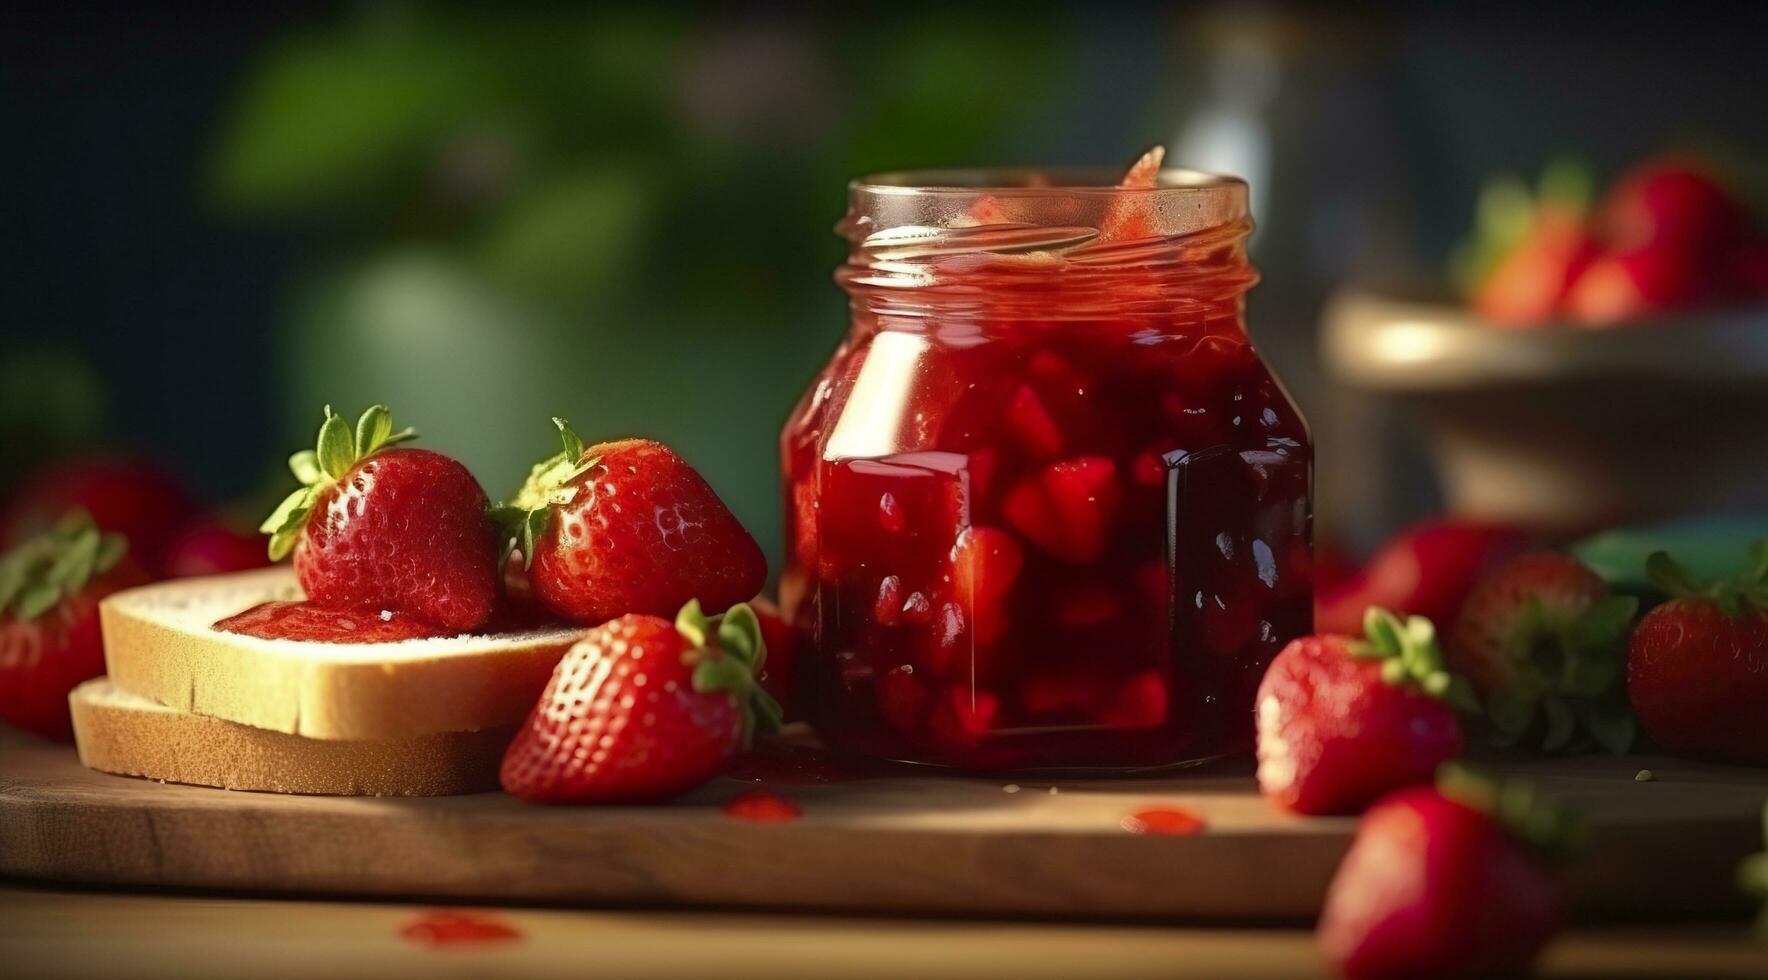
x=572, y=441
x=1604, y=624
x=403, y=435
x=283, y=542
x=1561, y=726
x=111, y=548
x=768, y=714
x=533, y=529
x=1671, y=576
x=691, y=623
x=73, y=567
x=715, y=674
x=1612, y=726
x=1592, y=673
x=1382, y=629
x=305, y=466
x=37, y=599
x=373, y=428
x=1393, y=671
x=337, y=445
x=739, y=634
x=1511, y=713
x=290, y=513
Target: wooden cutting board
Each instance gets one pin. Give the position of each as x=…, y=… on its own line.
x=890, y=843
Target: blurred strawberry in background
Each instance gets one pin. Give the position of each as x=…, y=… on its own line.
x=124, y=495
x=214, y=545
x=1426, y=570
x=1669, y=235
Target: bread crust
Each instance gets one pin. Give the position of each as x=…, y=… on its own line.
x=132, y=736
x=159, y=644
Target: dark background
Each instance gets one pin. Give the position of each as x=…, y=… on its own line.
x=220, y=218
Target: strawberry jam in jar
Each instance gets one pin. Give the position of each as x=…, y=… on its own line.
x=1046, y=508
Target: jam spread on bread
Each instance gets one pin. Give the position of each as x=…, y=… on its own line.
x=320, y=624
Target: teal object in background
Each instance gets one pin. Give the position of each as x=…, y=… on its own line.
x=1711, y=547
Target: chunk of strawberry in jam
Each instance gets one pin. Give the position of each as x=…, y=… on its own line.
x=965, y=714
x=888, y=609
x=902, y=698
x=1027, y=424
x=1087, y=604
x=985, y=564
x=1067, y=508
x=1140, y=702
x=1065, y=693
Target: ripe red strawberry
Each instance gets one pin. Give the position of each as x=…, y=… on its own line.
x=1697, y=666
x=212, y=546
x=1672, y=201
x=1437, y=883
x=375, y=528
x=49, y=636
x=1342, y=721
x=123, y=495
x=642, y=709
x=1425, y=570
x=628, y=527
x=1544, y=645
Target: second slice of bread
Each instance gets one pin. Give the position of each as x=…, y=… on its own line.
x=120, y=733
x=160, y=643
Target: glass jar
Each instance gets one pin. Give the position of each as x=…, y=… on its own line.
x=1046, y=508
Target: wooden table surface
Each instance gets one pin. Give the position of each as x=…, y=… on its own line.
x=97, y=934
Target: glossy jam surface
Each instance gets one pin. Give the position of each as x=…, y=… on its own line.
x=323, y=624
x=1045, y=508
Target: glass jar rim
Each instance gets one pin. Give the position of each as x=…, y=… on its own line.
x=1033, y=182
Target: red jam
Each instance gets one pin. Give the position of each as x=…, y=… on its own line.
x=447, y=928
x=761, y=806
x=321, y=624
x=1163, y=821
x=1046, y=507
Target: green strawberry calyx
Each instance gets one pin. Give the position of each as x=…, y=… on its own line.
x=1410, y=655
x=340, y=448
x=524, y=518
x=43, y=570
x=727, y=654
x=1737, y=596
x=1551, y=830
x=1569, y=676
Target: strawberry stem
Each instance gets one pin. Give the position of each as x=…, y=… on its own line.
x=1409, y=654
x=728, y=653
x=339, y=448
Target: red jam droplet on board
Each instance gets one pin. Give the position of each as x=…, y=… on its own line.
x=454, y=928
x=318, y=624
x=761, y=806
x=1164, y=821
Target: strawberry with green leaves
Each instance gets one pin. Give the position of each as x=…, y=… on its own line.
x=50, y=642
x=627, y=527
x=1544, y=644
x=1451, y=881
x=642, y=709
x=378, y=526
x=1697, y=665
x=1340, y=721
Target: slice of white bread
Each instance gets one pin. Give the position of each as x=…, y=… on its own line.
x=121, y=733
x=159, y=642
